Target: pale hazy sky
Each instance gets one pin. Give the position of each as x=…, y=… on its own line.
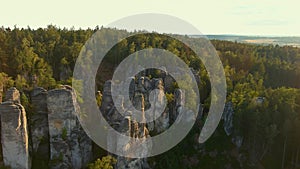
x=245, y=17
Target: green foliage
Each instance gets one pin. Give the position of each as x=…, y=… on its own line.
x=21, y=82
x=99, y=99
x=106, y=162
x=5, y=81
x=170, y=97
x=78, y=87
x=195, y=63
x=25, y=101
x=64, y=134
x=5, y=167
x=60, y=157
x=64, y=61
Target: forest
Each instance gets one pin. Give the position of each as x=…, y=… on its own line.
x=46, y=57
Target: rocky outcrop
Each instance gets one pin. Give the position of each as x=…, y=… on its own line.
x=228, y=118
x=179, y=98
x=144, y=94
x=70, y=147
x=107, y=102
x=13, y=95
x=196, y=76
x=39, y=127
x=237, y=140
x=168, y=82
x=228, y=126
x=137, y=133
x=14, y=134
x=126, y=124
x=162, y=122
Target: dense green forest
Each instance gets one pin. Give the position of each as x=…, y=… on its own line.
x=271, y=130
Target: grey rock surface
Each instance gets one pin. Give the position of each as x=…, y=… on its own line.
x=39, y=123
x=126, y=125
x=13, y=95
x=228, y=118
x=14, y=135
x=70, y=147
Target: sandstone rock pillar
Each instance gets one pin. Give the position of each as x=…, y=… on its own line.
x=14, y=136
x=70, y=147
x=13, y=95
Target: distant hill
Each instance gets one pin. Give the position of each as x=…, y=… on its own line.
x=281, y=41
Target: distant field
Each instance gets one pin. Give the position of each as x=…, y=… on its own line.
x=281, y=41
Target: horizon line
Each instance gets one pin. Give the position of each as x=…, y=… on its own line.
x=205, y=34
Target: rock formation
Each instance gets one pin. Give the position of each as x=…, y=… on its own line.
x=228, y=126
x=144, y=94
x=126, y=125
x=107, y=102
x=39, y=127
x=13, y=95
x=70, y=147
x=162, y=122
x=14, y=133
x=137, y=133
x=179, y=98
x=56, y=137
x=228, y=118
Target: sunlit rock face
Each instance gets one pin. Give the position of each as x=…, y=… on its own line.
x=13, y=95
x=126, y=125
x=136, y=134
x=14, y=134
x=162, y=122
x=144, y=94
x=70, y=147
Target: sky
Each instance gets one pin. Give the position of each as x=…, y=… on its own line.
x=240, y=17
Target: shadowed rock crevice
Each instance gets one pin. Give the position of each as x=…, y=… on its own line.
x=39, y=129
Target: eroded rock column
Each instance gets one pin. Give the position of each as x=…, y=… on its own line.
x=162, y=122
x=14, y=136
x=126, y=125
x=13, y=95
x=227, y=116
x=70, y=147
x=179, y=97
